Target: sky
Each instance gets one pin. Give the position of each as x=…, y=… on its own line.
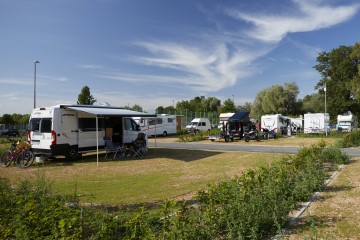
x=159, y=52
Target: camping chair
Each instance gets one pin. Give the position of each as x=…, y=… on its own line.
x=111, y=149
x=139, y=146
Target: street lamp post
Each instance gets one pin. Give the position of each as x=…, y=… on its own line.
x=35, y=82
x=326, y=123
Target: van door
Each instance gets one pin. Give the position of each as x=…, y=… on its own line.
x=131, y=130
x=69, y=131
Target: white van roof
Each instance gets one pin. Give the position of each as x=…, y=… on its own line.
x=101, y=110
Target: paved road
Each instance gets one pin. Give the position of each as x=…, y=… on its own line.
x=352, y=152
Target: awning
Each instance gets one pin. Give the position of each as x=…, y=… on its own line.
x=101, y=111
x=241, y=116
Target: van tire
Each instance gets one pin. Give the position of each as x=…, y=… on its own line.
x=164, y=134
x=73, y=154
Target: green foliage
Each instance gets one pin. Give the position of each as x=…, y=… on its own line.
x=193, y=137
x=313, y=103
x=277, y=99
x=85, y=97
x=339, y=71
x=228, y=106
x=351, y=139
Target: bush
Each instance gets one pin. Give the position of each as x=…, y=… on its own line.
x=193, y=137
x=351, y=139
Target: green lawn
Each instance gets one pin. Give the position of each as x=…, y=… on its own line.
x=161, y=174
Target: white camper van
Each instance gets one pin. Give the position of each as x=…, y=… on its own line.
x=163, y=124
x=70, y=130
x=199, y=124
x=276, y=122
x=316, y=122
x=347, y=122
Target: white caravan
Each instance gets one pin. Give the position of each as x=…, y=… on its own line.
x=199, y=124
x=224, y=117
x=347, y=122
x=276, y=122
x=70, y=130
x=316, y=122
x=163, y=124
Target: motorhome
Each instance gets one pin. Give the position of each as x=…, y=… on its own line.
x=70, y=130
x=162, y=124
x=316, y=122
x=347, y=122
x=277, y=123
x=199, y=124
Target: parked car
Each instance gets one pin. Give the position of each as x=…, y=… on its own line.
x=10, y=132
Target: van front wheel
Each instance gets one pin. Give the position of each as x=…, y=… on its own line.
x=73, y=154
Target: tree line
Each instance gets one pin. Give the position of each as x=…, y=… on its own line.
x=340, y=78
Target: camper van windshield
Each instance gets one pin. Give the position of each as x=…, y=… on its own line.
x=194, y=123
x=345, y=123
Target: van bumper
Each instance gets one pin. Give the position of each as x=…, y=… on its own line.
x=55, y=150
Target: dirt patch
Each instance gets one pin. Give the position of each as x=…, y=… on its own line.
x=283, y=141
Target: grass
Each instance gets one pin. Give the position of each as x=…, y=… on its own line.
x=161, y=174
x=336, y=214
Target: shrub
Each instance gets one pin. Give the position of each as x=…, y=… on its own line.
x=351, y=139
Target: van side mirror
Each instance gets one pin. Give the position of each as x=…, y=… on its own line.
x=138, y=128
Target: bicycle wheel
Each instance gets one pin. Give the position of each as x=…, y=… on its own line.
x=25, y=159
x=6, y=158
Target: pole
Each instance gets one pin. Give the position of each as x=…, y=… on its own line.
x=326, y=123
x=35, y=82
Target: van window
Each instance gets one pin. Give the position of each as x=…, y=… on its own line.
x=40, y=125
x=130, y=124
x=89, y=124
x=170, y=120
x=46, y=125
x=158, y=121
x=203, y=123
x=35, y=124
x=151, y=121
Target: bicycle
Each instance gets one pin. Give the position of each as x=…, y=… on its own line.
x=19, y=153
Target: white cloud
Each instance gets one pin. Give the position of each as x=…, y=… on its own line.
x=208, y=68
x=309, y=51
x=223, y=59
x=54, y=78
x=24, y=82
x=312, y=15
x=90, y=66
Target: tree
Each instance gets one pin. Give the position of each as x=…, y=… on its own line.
x=245, y=107
x=228, y=106
x=355, y=83
x=85, y=97
x=314, y=103
x=277, y=99
x=160, y=110
x=137, y=108
x=339, y=73
x=6, y=119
